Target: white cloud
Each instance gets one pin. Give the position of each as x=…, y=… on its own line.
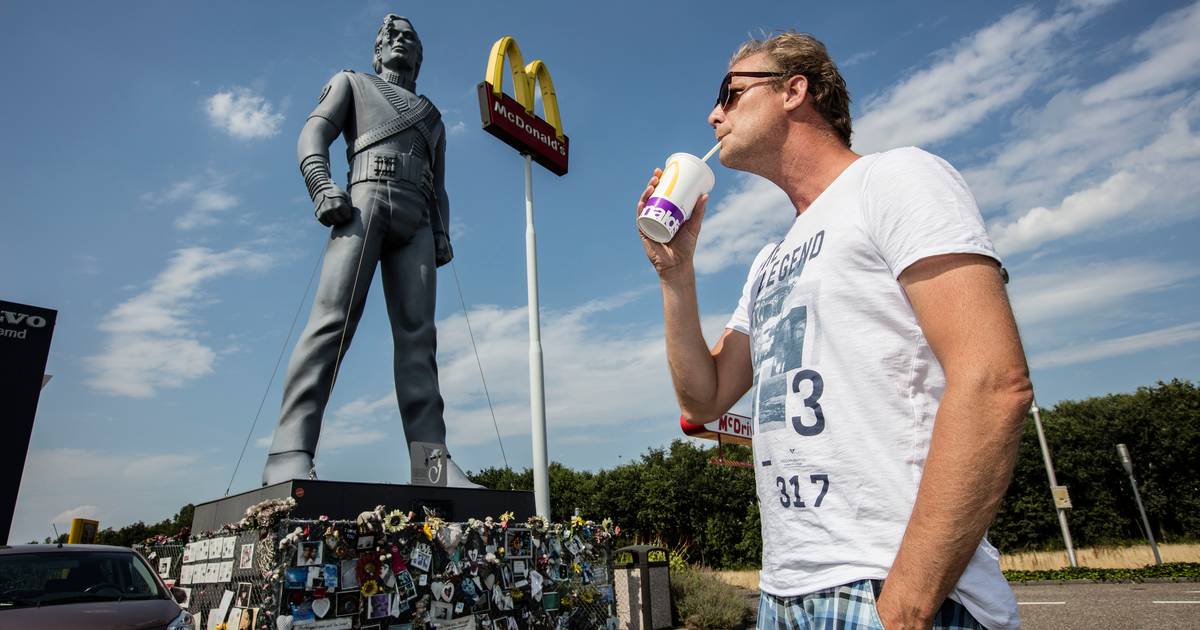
x=738, y=225
x=1084, y=353
x=1148, y=184
x=857, y=58
x=243, y=114
x=596, y=374
x=153, y=338
x=120, y=488
x=1088, y=289
x=983, y=72
x=79, y=511
x=980, y=74
x=1172, y=51
x=457, y=128
x=200, y=199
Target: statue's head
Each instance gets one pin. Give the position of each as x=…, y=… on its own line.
x=397, y=43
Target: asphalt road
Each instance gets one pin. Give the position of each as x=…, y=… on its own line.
x=1116, y=606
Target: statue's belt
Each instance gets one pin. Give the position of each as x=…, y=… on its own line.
x=388, y=165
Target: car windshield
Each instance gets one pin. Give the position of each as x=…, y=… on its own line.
x=62, y=577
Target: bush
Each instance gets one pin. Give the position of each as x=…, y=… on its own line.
x=704, y=602
x=1188, y=571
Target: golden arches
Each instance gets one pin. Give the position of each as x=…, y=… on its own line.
x=525, y=79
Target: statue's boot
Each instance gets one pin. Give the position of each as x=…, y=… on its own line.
x=287, y=466
x=456, y=478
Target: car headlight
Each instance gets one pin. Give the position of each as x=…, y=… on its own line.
x=185, y=621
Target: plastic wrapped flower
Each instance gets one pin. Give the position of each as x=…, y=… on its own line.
x=505, y=518
x=369, y=588
x=395, y=521
x=576, y=521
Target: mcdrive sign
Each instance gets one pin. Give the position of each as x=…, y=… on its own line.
x=730, y=428
x=512, y=120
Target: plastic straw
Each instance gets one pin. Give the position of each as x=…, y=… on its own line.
x=711, y=151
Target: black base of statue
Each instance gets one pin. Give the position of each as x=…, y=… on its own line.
x=347, y=499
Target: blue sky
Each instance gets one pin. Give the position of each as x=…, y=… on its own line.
x=153, y=198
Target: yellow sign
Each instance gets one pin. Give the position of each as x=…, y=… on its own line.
x=83, y=531
x=526, y=78
x=1062, y=499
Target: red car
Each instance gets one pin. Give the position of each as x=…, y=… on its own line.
x=94, y=587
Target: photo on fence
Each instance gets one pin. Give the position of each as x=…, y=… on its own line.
x=347, y=604
x=245, y=620
x=422, y=556
x=517, y=543
x=378, y=606
x=187, y=597
x=365, y=542
x=164, y=567
x=315, y=578
x=244, y=591
x=295, y=578
x=349, y=575
x=246, y=558
x=227, y=546
x=330, y=573
x=309, y=553
x=520, y=568
x=405, y=586
x=442, y=611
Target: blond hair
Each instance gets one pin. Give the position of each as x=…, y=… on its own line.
x=800, y=53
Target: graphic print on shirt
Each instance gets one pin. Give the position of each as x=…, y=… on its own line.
x=781, y=325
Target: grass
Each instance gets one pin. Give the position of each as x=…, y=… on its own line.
x=1100, y=557
x=1092, y=557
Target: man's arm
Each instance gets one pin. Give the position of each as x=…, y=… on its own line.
x=962, y=307
x=707, y=382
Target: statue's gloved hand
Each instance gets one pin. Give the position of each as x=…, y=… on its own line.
x=443, y=252
x=333, y=206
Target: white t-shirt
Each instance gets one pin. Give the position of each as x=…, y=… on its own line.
x=846, y=387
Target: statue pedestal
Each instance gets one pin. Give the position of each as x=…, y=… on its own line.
x=346, y=499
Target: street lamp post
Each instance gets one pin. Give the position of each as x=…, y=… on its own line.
x=1127, y=462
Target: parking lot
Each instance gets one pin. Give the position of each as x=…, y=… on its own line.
x=1094, y=606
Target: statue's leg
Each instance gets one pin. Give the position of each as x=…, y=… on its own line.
x=410, y=286
x=310, y=372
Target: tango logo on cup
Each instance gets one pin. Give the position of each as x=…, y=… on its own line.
x=685, y=178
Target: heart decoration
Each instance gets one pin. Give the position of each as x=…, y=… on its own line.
x=283, y=622
x=447, y=591
x=321, y=607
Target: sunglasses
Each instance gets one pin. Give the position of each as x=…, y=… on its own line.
x=725, y=96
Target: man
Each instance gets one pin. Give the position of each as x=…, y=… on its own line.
x=396, y=215
x=887, y=376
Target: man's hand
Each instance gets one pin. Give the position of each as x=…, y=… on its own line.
x=334, y=207
x=443, y=252
x=675, y=256
x=895, y=617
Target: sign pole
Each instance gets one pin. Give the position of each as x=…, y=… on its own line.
x=1062, y=513
x=537, y=393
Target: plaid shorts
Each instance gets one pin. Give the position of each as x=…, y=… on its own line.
x=847, y=607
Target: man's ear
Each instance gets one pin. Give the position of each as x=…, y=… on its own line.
x=795, y=92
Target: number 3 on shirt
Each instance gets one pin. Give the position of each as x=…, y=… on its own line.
x=818, y=386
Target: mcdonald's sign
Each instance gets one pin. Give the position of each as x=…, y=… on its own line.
x=512, y=119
